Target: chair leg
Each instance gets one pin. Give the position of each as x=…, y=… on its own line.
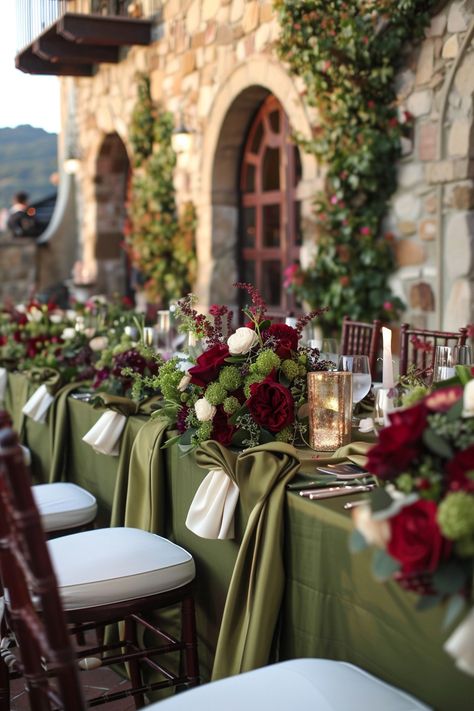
x=4, y=686
x=189, y=637
x=131, y=642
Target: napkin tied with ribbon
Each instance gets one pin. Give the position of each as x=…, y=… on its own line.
x=104, y=437
x=3, y=383
x=211, y=514
x=39, y=403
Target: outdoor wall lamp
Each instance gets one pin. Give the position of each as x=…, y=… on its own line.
x=181, y=138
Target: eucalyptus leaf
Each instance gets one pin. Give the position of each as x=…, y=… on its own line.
x=383, y=565
x=427, y=602
x=380, y=500
x=449, y=578
x=170, y=442
x=454, y=607
x=437, y=444
x=357, y=542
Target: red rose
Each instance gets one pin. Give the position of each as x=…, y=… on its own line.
x=222, y=430
x=457, y=469
x=285, y=338
x=208, y=364
x=271, y=405
x=416, y=540
x=399, y=444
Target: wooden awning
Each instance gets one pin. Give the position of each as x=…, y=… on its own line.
x=73, y=44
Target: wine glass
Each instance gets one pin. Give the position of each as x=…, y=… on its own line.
x=329, y=351
x=359, y=366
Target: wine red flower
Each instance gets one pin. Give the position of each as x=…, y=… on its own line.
x=271, y=405
x=222, y=430
x=286, y=338
x=416, y=541
x=458, y=468
x=399, y=444
x=208, y=364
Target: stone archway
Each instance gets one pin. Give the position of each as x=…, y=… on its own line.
x=111, y=179
x=233, y=107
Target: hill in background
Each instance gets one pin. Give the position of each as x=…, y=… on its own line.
x=28, y=159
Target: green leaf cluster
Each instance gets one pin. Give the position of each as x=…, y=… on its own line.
x=347, y=54
x=160, y=242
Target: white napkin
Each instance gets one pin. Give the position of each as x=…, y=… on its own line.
x=38, y=404
x=211, y=514
x=461, y=644
x=105, y=435
x=3, y=383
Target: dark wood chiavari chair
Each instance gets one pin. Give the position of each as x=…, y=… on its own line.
x=359, y=338
x=417, y=345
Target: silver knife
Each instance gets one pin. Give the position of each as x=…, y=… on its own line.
x=336, y=491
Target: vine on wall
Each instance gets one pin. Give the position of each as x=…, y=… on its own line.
x=347, y=53
x=160, y=242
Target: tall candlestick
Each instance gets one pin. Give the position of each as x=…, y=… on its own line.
x=387, y=365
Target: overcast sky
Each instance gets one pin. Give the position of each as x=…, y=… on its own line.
x=25, y=98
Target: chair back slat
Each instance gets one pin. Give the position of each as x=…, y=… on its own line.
x=417, y=346
x=28, y=576
x=360, y=338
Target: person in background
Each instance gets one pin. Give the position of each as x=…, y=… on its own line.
x=22, y=221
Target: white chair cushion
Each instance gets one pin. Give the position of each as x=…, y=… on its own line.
x=62, y=505
x=117, y=564
x=313, y=684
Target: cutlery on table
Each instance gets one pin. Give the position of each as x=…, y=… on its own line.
x=335, y=491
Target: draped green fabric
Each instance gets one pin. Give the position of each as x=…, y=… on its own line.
x=256, y=588
x=59, y=436
x=46, y=376
x=139, y=500
x=15, y=398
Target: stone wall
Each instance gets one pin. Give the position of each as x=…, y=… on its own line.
x=18, y=260
x=214, y=61
x=432, y=216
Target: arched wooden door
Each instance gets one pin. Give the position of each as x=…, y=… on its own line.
x=270, y=235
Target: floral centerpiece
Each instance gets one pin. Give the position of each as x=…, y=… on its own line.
x=248, y=386
x=421, y=520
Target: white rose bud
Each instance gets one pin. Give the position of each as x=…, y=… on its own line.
x=242, y=341
x=99, y=343
x=204, y=410
x=184, y=382
x=468, y=402
x=56, y=317
x=68, y=333
x=34, y=314
x=376, y=533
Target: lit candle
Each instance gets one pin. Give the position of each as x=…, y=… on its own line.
x=387, y=367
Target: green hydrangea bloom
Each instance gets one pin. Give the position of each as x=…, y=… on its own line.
x=249, y=380
x=204, y=431
x=415, y=395
x=290, y=369
x=231, y=405
x=230, y=378
x=267, y=361
x=456, y=515
x=215, y=393
x=405, y=483
x=285, y=435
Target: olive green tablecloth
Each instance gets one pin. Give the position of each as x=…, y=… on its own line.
x=332, y=607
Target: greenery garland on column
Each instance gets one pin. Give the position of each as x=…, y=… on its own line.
x=347, y=54
x=160, y=242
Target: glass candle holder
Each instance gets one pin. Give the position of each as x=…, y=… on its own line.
x=330, y=409
x=148, y=336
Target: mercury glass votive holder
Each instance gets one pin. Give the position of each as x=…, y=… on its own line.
x=148, y=336
x=330, y=409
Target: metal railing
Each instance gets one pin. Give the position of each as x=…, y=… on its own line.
x=35, y=16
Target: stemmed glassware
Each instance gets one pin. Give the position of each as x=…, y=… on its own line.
x=359, y=366
x=329, y=351
x=446, y=358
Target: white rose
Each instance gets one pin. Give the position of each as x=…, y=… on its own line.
x=56, y=317
x=184, y=382
x=242, y=341
x=34, y=314
x=468, y=402
x=99, y=343
x=376, y=533
x=204, y=410
x=68, y=333
x=89, y=332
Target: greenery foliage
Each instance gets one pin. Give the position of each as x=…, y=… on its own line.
x=160, y=241
x=347, y=54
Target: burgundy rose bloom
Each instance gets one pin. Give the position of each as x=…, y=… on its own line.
x=457, y=470
x=416, y=540
x=181, y=425
x=271, y=405
x=399, y=444
x=208, y=365
x=100, y=376
x=222, y=430
x=442, y=400
x=286, y=339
